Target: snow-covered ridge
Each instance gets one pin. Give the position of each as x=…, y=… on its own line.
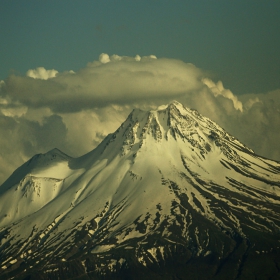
x=169, y=175
x=177, y=122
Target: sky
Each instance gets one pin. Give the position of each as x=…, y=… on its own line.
x=71, y=71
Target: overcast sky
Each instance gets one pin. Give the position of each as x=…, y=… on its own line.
x=71, y=71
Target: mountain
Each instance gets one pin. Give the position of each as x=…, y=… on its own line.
x=169, y=195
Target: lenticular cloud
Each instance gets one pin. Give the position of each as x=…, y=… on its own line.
x=111, y=79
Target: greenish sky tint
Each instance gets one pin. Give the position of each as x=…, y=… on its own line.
x=238, y=42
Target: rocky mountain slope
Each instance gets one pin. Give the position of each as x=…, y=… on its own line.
x=169, y=195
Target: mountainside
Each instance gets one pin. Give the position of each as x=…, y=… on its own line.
x=169, y=195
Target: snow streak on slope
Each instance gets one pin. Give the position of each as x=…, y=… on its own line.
x=166, y=178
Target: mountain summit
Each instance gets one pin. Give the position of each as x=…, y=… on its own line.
x=169, y=195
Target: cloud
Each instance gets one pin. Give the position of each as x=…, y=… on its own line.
x=104, y=58
x=15, y=111
x=22, y=138
x=74, y=111
x=251, y=101
x=112, y=79
x=86, y=129
x=3, y=101
x=259, y=125
x=218, y=89
x=41, y=73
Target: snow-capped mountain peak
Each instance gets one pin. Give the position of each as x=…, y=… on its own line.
x=174, y=122
x=167, y=182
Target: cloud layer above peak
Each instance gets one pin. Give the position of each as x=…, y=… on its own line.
x=111, y=79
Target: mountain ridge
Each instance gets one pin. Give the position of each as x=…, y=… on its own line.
x=167, y=184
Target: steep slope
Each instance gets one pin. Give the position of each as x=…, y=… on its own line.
x=35, y=183
x=168, y=191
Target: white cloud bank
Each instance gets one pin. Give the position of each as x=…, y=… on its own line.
x=110, y=80
x=74, y=111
